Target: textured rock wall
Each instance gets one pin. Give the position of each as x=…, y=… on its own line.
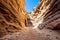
x=50, y=13
x=46, y=14
x=13, y=17
x=45, y=19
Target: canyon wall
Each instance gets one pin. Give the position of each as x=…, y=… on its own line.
x=46, y=14
x=45, y=19
x=13, y=16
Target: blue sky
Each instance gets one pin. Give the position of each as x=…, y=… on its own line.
x=30, y=4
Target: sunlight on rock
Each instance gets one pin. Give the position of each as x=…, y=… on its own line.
x=43, y=23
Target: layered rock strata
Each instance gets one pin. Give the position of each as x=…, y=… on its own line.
x=46, y=17
x=46, y=21
x=47, y=14
x=13, y=16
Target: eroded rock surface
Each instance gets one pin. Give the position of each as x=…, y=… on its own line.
x=47, y=14
x=45, y=19
x=33, y=34
x=13, y=16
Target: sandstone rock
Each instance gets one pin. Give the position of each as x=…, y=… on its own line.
x=46, y=17
x=47, y=14
x=13, y=17
x=33, y=34
x=14, y=21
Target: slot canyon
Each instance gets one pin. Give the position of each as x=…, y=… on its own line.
x=43, y=23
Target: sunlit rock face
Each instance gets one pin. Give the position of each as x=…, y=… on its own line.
x=39, y=12
x=13, y=17
x=51, y=16
x=46, y=14
x=45, y=19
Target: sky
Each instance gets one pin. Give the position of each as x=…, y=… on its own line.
x=30, y=4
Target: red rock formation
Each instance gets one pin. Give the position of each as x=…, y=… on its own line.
x=45, y=18
x=13, y=17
